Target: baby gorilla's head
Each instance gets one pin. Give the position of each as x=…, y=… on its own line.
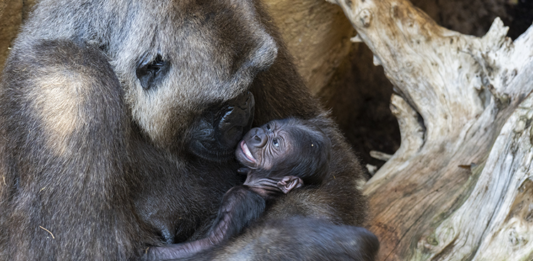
x=289, y=147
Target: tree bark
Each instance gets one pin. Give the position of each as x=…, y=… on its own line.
x=12, y=13
x=460, y=186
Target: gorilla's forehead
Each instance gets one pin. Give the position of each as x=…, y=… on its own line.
x=215, y=46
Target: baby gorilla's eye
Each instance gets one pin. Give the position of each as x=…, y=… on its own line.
x=268, y=127
x=275, y=142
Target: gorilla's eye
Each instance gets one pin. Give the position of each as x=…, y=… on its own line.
x=275, y=142
x=150, y=71
x=268, y=127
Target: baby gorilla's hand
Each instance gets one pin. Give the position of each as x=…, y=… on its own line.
x=288, y=183
x=270, y=188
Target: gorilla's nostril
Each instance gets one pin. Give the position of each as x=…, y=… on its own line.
x=235, y=118
x=257, y=138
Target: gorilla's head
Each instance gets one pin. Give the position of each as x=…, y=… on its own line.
x=186, y=66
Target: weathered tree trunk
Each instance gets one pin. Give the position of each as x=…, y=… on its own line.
x=460, y=186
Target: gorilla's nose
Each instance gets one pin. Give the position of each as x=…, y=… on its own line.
x=236, y=119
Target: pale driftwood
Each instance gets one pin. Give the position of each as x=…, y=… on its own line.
x=460, y=186
x=380, y=155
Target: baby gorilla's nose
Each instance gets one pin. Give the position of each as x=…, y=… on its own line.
x=257, y=138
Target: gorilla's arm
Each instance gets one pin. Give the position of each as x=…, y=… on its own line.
x=297, y=238
x=63, y=122
x=240, y=206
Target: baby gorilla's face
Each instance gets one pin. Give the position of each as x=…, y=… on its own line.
x=263, y=147
x=279, y=155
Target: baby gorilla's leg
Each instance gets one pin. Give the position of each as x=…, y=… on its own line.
x=240, y=206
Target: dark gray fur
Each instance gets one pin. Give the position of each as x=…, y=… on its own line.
x=88, y=156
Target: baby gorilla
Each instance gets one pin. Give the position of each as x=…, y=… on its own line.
x=278, y=157
x=282, y=155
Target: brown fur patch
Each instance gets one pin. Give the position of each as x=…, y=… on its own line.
x=58, y=101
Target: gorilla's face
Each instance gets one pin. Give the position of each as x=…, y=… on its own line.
x=267, y=146
x=176, y=68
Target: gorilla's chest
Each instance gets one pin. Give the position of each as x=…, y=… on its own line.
x=177, y=204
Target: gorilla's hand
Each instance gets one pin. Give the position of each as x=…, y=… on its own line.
x=216, y=133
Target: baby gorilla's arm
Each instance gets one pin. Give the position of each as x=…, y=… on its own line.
x=240, y=206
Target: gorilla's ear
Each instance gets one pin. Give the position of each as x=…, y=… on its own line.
x=151, y=70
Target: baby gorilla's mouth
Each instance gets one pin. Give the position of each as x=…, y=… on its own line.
x=247, y=152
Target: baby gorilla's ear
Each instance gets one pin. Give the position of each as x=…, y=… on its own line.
x=289, y=183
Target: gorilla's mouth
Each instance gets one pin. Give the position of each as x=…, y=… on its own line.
x=208, y=152
x=246, y=151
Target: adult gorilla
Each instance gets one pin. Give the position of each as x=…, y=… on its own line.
x=118, y=122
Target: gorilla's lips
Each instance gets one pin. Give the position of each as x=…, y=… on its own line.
x=246, y=151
